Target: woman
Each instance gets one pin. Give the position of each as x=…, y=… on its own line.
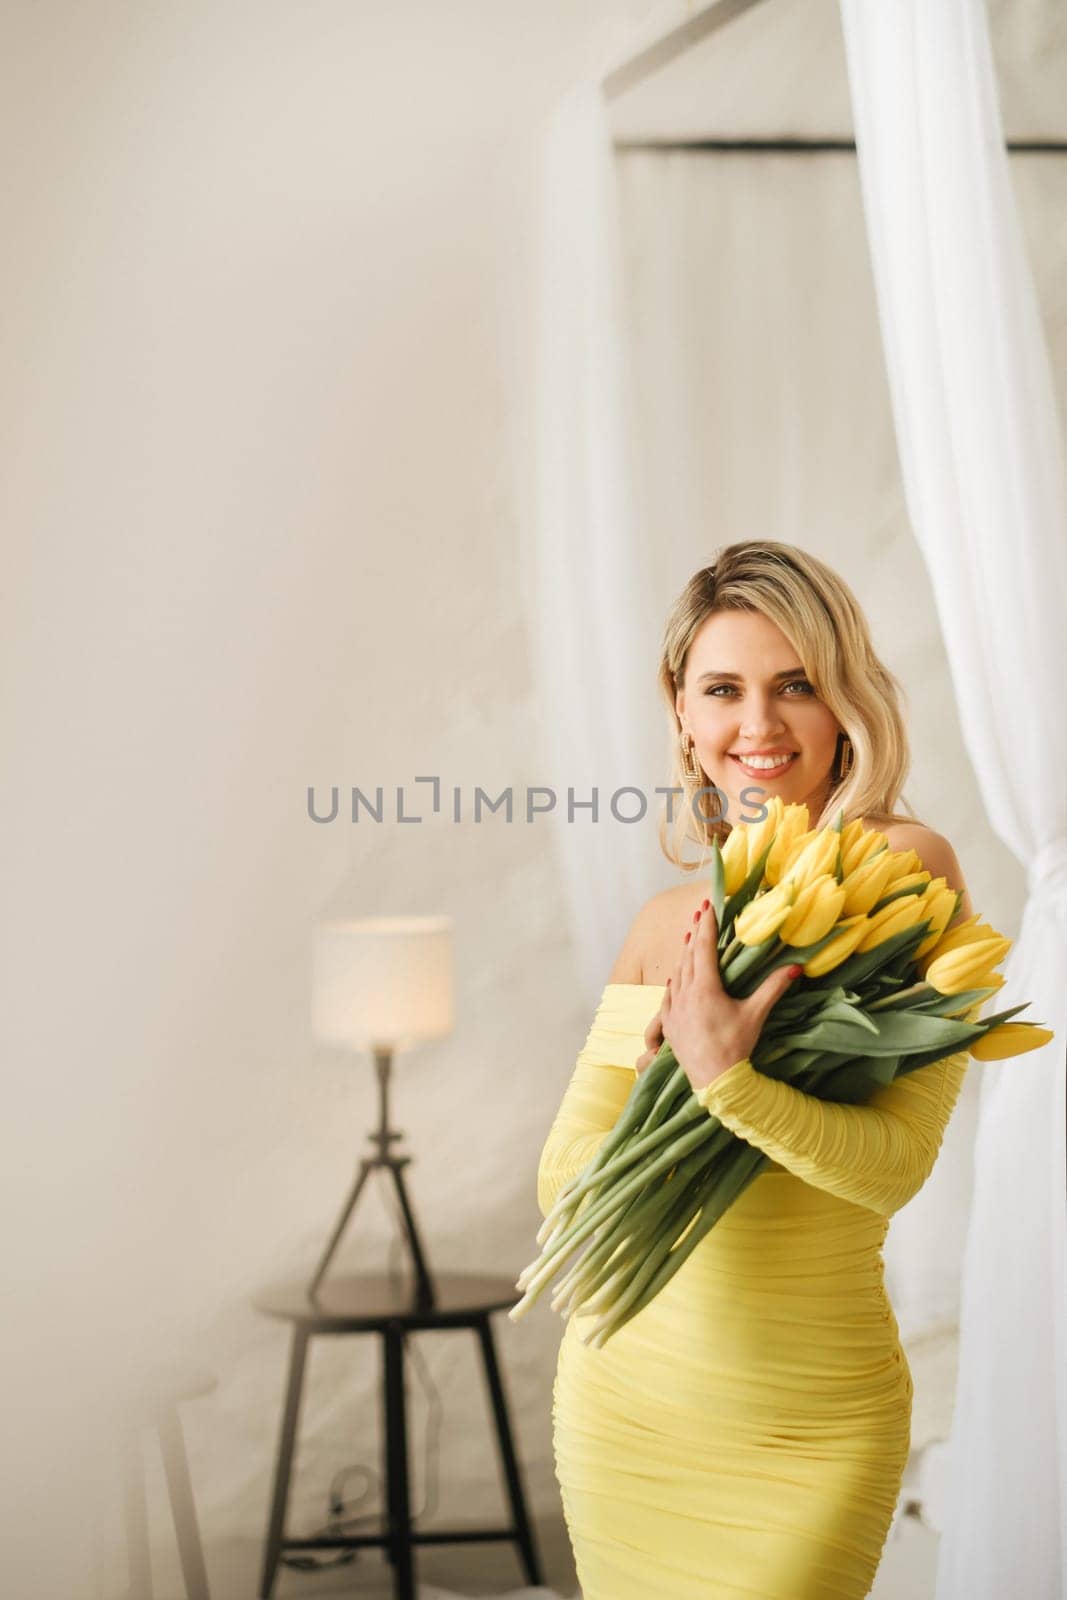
x=745, y=1435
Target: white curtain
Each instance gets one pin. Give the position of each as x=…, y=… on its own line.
x=593, y=642
x=979, y=444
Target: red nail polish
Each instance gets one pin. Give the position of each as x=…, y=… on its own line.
x=688, y=937
x=794, y=972
x=705, y=906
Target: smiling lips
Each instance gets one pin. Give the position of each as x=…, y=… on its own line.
x=764, y=763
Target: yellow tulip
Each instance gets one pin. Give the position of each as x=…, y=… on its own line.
x=765, y=914
x=905, y=862
x=935, y=887
x=758, y=835
x=970, y=967
x=910, y=880
x=892, y=919
x=1010, y=1039
x=812, y=859
x=969, y=928
x=861, y=846
x=940, y=903
x=865, y=886
x=972, y=1012
x=797, y=845
x=815, y=910
x=735, y=860
x=959, y=936
x=794, y=825
x=838, y=949
x=852, y=832
x=973, y=931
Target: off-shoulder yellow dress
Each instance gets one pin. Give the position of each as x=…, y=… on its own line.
x=744, y=1436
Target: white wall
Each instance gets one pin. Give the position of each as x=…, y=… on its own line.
x=259, y=525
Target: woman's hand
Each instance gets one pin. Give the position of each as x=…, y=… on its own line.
x=708, y=1030
x=654, y=1040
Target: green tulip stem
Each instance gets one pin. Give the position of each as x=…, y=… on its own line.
x=740, y=1173
x=534, y=1278
x=628, y=1232
x=685, y=1214
x=658, y=1084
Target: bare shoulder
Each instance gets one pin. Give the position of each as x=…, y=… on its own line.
x=935, y=852
x=654, y=942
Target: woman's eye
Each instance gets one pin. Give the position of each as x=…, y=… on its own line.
x=795, y=683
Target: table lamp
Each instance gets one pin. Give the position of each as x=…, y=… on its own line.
x=382, y=984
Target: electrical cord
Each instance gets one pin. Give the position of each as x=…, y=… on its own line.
x=337, y=1522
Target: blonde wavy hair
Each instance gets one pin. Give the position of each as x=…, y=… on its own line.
x=819, y=614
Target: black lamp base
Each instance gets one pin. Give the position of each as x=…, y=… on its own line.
x=425, y=1296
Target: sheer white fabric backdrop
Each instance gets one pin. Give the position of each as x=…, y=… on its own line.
x=593, y=636
x=979, y=442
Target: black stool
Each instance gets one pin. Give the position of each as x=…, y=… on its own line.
x=376, y=1304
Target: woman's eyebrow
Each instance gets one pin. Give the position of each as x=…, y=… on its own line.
x=736, y=677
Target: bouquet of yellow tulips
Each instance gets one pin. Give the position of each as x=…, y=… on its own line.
x=887, y=987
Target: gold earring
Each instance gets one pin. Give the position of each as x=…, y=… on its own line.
x=847, y=757
x=690, y=765
x=693, y=773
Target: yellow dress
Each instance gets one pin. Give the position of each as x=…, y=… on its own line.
x=744, y=1436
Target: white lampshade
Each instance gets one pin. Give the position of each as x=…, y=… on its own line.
x=382, y=981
